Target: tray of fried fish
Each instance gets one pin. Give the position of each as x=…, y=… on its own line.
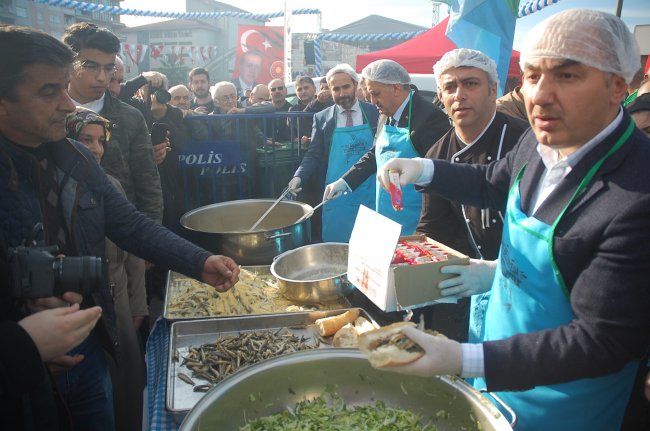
x=256, y=293
x=203, y=352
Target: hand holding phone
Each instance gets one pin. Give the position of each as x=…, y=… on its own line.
x=158, y=132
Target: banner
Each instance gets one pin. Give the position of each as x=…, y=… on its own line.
x=260, y=55
x=486, y=26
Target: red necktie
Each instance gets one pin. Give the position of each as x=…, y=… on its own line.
x=348, y=120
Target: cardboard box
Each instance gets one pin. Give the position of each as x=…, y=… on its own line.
x=393, y=287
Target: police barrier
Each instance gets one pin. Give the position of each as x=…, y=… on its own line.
x=240, y=156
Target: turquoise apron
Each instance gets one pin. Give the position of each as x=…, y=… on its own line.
x=348, y=145
x=529, y=295
x=391, y=143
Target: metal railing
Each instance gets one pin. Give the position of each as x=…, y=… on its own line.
x=240, y=156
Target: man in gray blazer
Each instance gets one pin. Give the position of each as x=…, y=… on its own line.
x=341, y=134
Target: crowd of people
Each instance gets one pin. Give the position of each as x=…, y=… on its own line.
x=544, y=189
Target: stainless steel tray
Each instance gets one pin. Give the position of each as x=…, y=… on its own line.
x=180, y=396
x=178, y=286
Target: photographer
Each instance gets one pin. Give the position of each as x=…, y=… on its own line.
x=42, y=336
x=48, y=179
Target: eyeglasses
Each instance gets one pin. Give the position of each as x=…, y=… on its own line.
x=227, y=98
x=94, y=67
x=280, y=88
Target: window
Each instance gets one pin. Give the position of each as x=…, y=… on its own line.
x=21, y=12
x=55, y=19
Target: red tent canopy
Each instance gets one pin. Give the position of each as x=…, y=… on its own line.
x=419, y=54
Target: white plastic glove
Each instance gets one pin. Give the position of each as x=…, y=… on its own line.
x=472, y=279
x=409, y=171
x=442, y=356
x=294, y=185
x=335, y=189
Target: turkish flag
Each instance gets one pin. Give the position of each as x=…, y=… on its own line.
x=264, y=42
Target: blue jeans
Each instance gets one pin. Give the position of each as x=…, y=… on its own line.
x=87, y=389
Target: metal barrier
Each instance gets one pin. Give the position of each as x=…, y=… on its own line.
x=240, y=156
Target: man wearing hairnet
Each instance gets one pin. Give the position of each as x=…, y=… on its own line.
x=567, y=326
x=467, y=86
x=408, y=126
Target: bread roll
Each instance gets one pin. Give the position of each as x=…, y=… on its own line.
x=388, y=346
x=363, y=325
x=330, y=325
x=347, y=336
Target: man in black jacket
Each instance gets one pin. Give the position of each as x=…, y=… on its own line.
x=55, y=183
x=567, y=327
x=467, y=85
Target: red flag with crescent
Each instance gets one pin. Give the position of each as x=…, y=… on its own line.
x=260, y=54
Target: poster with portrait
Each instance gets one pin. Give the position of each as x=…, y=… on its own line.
x=260, y=54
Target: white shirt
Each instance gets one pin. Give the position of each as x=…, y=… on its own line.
x=95, y=105
x=558, y=168
x=398, y=114
x=342, y=117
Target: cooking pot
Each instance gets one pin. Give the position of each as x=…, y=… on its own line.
x=223, y=229
x=313, y=273
x=274, y=385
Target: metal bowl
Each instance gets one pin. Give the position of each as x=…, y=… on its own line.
x=223, y=229
x=273, y=385
x=313, y=273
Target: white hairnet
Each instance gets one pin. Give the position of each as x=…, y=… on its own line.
x=590, y=37
x=343, y=68
x=386, y=72
x=464, y=57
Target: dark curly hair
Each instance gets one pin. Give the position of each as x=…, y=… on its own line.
x=84, y=35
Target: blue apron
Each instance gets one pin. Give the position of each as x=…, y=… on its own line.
x=391, y=143
x=529, y=295
x=347, y=146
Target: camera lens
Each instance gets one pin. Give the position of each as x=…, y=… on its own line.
x=78, y=274
x=162, y=95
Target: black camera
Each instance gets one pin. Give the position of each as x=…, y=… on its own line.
x=162, y=96
x=37, y=273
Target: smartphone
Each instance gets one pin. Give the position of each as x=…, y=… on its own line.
x=158, y=132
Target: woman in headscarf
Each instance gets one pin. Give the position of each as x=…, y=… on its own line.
x=127, y=288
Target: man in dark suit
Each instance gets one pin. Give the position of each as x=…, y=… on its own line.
x=567, y=327
x=408, y=127
x=340, y=135
x=250, y=66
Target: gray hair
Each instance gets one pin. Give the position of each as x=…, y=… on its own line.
x=219, y=85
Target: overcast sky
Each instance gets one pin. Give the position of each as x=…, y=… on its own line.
x=337, y=13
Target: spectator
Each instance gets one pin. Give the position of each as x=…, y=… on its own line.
x=57, y=183
x=128, y=290
x=200, y=85
x=180, y=97
x=639, y=110
x=323, y=98
x=306, y=91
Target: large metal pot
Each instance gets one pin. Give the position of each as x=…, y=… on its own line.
x=271, y=386
x=313, y=273
x=223, y=229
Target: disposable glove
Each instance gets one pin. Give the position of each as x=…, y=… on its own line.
x=442, y=356
x=294, y=186
x=335, y=189
x=472, y=279
x=409, y=171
